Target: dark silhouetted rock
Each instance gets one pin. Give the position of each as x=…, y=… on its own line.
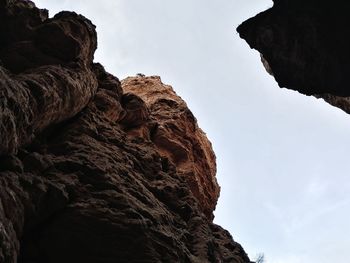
x=92, y=170
x=305, y=43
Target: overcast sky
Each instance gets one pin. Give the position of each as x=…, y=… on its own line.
x=282, y=157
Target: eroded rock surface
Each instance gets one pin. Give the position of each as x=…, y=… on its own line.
x=305, y=45
x=92, y=170
x=177, y=137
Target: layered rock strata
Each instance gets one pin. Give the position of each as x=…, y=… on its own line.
x=92, y=170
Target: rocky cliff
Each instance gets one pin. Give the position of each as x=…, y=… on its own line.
x=93, y=169
x=305, y=46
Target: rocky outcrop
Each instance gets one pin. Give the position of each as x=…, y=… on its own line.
x=305, y=45
x=177, y=137
x=91, y=169
x=45, y=78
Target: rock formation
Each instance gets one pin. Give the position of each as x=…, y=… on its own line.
x=92, y=169
x=305, y=46
x=177, y=138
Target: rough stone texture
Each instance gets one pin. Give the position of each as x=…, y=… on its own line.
x=305, y=45
x=177, y=137
x=92, y=173
x=57, y=87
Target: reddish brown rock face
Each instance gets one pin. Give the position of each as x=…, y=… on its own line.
x=177, y=138
x=92, y=170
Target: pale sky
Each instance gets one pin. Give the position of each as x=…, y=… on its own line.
x=282, y=157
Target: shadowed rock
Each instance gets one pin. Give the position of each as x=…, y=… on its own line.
x=305, y=43
x=305, y=46
x=92, y=170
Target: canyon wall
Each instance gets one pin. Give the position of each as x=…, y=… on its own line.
x=305, y=46
x=93, y=169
